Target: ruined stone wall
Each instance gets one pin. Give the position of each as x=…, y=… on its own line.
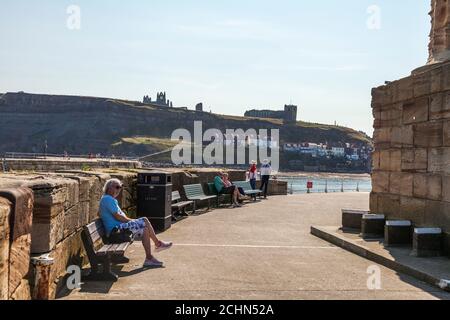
x=411, y=161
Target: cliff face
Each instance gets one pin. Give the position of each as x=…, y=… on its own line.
x=81, y=125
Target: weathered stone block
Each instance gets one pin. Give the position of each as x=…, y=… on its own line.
x=381, y=96
x=437, y=213
x=391, y=116
x=395, y=160
x=390, y=160
x=403, y=89
x=436, y=80
x=401, y=183
x=395, y=180
x=427, y=186
x=415, y=160
x=373, y=202
x=372, y=226
x=385, y=160
x=47, y=234
x=427, y=242
x=380, y=182
x=428, y=134
x=446, y=133
x=71, y=220
x=445, y=81
x=382, y=138
x=411, y=209
x=422, y=84
x=376, y=160
x=20, y=235
x=439, y=160
x=72, y=195
x=446, y=188
x=19, y=261
x=416, y=111
x=5, y=212
x=23, y=292
x=440, y=106
x=406, y=184
x=84, y=214
x=398, y=233
x=402, y=136
x=388, y=204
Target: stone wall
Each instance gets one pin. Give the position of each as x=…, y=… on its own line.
x=411, y=161
x=64, y=202
x=16, y=210
x=49, y=165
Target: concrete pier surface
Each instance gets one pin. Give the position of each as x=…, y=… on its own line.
x=263, y=250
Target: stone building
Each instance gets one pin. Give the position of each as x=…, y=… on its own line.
x=411, y=160
x=199, y=107
x=289, y=114
x=161, y=100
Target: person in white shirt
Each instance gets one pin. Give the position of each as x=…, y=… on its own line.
x=266, y=171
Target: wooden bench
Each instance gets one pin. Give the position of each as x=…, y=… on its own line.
x=195, y=193
x=248, y=190
x=93, y=237
x=179, y=206
x=212, y=190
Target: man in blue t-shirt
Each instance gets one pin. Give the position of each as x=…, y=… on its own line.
x=113, y=217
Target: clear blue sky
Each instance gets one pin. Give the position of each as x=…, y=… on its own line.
x=231, y=55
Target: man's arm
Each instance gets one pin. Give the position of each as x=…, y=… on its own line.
x=121, y=218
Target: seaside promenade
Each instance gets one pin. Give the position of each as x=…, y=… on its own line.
x=264, y=251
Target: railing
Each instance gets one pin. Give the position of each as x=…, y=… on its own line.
x=23, y=155
x=328, y=186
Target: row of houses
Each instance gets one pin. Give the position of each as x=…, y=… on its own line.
x=347, y=150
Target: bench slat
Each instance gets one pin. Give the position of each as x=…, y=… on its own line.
x=182, y=204
x=96, y=235
x=113, y=249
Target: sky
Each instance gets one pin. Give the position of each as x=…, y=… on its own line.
x=234, y=55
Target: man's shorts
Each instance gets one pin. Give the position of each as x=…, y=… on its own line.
x=136, y=226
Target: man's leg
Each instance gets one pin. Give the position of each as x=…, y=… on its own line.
x=151, y=232
x=266, y=185
x=146, y=243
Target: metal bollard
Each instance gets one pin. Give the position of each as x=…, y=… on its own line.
x=41, y=288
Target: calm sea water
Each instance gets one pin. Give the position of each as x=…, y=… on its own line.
x=323, y=182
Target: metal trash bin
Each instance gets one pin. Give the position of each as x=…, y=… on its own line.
x=154, y=199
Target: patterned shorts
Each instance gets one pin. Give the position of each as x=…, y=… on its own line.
x=136, y=226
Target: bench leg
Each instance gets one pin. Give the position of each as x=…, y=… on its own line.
x=195, y=207
x=107, y=274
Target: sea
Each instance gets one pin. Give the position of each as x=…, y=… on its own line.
x=326, y=182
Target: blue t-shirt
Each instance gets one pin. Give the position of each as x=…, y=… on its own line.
x=218, y=183
x=108, y=207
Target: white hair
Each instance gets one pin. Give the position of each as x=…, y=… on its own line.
x=110, y=183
